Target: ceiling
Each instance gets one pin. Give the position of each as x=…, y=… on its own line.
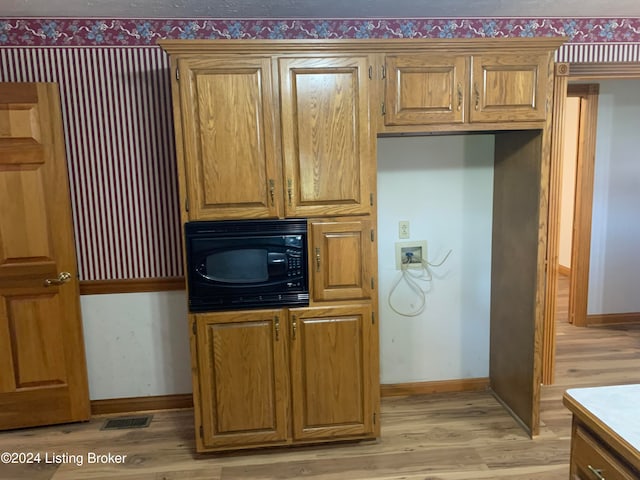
x=317, y=8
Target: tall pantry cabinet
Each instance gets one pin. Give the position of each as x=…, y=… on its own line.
x=273, y=136
x=287, y=129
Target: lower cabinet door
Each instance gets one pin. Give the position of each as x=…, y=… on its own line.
x=334, y=385
x=243, y=377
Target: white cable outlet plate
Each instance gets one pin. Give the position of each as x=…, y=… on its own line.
x=417, y=251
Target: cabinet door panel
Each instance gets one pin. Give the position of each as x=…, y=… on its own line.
x=332, y=374
x=341, y=260
x=326, y=135
x=243, y=378
x=425, y=89
x=509, y=88
x=229, y=140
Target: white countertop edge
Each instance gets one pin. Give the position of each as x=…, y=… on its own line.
x=617, y=406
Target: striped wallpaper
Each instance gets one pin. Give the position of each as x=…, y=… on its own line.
x=119, y=139
x=599, y=53
x=119, y=133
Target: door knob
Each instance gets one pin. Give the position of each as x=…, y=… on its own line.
x=63, y=277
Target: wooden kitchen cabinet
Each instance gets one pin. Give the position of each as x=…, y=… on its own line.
x=288, y=128
x=592, y=459
x=605, y=441
x=236, y=166
x=246, y=358
x=241, y=393
x=438, y=88
x=340, y=259
x=509, y=88
x=334, y=379
x=228, y=146
x=424, y=89
x=326, y=130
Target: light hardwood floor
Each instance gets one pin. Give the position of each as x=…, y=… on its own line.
x=462, y=436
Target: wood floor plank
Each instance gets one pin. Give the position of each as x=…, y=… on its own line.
x=432, y=461
x=452, y=436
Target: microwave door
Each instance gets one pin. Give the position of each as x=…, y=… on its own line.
x=245, y=266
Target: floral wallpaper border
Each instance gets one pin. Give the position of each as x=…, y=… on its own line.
x=67, y=32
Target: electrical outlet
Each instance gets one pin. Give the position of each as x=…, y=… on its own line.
x=403, y=229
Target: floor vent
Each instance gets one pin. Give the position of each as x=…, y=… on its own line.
x=138, y=421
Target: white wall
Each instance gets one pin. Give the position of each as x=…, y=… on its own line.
x=443, y=185
x=137, y=344
x=614, y=275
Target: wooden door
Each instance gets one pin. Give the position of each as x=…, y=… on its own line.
x=43, y=377
x=228, y=136
x=507, y=88
x=518, y=274
x=243, y=393
x=333, y=378
x=341, y=260
x=425, y=89
x=326, y=136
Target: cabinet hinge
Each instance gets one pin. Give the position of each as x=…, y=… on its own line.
x=373, y=318
x=177, y=74
x=194, y=328
x=384, y=110
x=373, y=235
x=371, y=199
x=186, y=204
x=373, y=283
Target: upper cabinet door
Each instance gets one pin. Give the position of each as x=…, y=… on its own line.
x=326, y=136
x=509, y=88
x=229, y=138
x=425, y=89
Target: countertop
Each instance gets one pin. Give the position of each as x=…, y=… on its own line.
x=615, y=409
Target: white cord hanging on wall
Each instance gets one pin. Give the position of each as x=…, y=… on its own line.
x=415, y=278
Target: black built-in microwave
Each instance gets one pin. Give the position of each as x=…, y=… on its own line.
x=246, y=264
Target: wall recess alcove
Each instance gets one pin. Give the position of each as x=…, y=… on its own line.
x=478, y=194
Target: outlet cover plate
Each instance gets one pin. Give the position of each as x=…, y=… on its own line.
x=403, y=229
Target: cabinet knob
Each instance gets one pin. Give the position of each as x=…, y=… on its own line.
x=290, y=191
x=294, y=326
x=317, y=259
x=272, y=191
x=477, y=94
